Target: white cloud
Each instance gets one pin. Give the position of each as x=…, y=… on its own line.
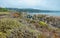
x=27, y=2
x=32, y=2
x=22, y=2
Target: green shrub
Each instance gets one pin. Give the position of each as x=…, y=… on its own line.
x=2, y=35
x=42, y=23
x=8, y=24
x=32, y=21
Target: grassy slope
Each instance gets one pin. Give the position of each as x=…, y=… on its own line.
x=12, y=26
x=9, y=25
x=4, y=12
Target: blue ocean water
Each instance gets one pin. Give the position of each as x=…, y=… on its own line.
x=49, y=13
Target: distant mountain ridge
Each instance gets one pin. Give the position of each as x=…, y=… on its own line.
x=29, y=10
x=26, y=10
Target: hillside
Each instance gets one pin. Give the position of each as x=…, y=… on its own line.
x=3, y=9
x=15, y=24
x=23, y=25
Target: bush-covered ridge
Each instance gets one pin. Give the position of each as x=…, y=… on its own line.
x=3, y=9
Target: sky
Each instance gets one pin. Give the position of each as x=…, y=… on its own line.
x=35, y=4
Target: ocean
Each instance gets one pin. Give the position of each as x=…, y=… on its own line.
x=48, y=13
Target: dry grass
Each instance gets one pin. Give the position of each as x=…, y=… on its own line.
x=4, y=12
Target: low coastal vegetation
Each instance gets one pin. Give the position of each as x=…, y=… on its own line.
x=23, y=25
